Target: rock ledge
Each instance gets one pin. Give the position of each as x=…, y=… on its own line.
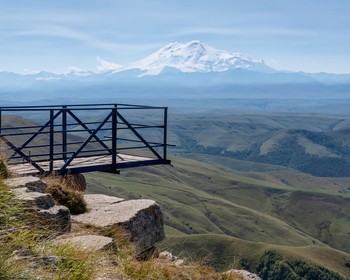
x=141, y=220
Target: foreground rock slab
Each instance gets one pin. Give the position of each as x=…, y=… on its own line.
x=141, y=220
x=88, y=242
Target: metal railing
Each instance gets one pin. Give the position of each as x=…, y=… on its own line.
x=64, y=133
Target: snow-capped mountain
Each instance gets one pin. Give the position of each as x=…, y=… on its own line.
x=177, y=70
x=195, y=56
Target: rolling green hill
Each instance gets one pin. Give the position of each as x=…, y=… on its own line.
x=225, y=216
x=318, y=145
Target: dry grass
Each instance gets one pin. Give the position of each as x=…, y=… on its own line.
x=162, y=269
x=74, y=182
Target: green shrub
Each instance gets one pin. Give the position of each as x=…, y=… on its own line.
x=273, y=266
x=244, y=264
x=74, y=200
x=76, y=203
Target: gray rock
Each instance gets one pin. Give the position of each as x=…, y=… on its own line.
x=171, y=258
x=141, y=220
x=36, y=199
x=31, y=183
x=57, y=218
x=246, y=275
x=96, y=201
x=88, y=242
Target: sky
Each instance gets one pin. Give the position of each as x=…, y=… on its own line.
x=61, y=35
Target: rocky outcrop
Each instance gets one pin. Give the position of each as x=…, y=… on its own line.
x=141, y=220
x=31, y=191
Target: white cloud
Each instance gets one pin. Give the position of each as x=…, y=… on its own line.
x=106, y=66
x=245, y=31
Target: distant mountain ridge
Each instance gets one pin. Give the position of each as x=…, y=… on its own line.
x=176, y=57
x=177, y=70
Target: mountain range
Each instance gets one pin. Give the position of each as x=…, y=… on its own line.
x=192, y=69
x=194, y=56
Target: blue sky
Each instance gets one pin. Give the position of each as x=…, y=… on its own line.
x=53, y=35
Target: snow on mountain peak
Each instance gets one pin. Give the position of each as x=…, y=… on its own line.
x=105, y=66
x=195, y=56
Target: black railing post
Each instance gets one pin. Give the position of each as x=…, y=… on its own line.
x=0, y=120
x=64, y=133
x=51, y=139
x=114, y=138
x=165, y=134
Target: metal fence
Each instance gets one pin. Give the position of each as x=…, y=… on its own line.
x=59, y=135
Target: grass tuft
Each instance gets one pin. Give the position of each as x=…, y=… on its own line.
x=74, y=263
x=4, y=172
x=163, y=270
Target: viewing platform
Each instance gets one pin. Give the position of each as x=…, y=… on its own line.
x=69, y=139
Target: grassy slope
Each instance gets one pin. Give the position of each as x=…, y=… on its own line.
x=310, y=143
x=222, y=206
x=238, y=132
x=223, y=251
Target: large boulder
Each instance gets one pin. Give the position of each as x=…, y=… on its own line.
x=141, y=220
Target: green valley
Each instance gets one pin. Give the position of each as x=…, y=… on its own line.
x=224, y=217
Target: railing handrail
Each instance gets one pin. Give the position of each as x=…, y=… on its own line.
x=79, y=106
